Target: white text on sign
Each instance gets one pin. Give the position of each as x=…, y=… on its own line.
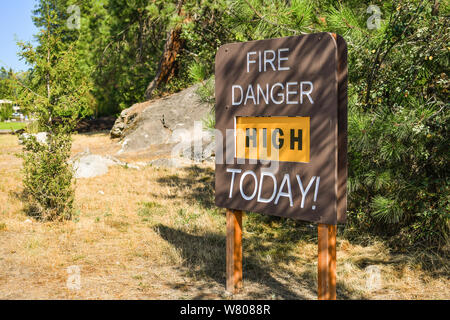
x=284, y=190
x=291, y=92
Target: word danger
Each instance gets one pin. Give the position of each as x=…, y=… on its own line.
x=292, y=92
x=284, y=189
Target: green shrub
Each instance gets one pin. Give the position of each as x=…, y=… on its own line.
x=6, y=111
x=48, y=189
x=399, y=124
x=206, y=91
x=57, y=96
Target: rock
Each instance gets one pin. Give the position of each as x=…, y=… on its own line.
x=28, y=221
x=41, y=137
x=199, y=150
x=163, y=162
x=119, y=126
x=88, y=165
x=126, y=119
x=154, y=122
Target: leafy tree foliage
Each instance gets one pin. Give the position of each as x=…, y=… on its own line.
x=7, y=92
x=56, y=96
x=399, y=121
x=6, y=84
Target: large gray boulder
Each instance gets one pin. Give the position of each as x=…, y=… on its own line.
x=153, y=122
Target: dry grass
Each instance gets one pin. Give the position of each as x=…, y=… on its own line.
x=156, y=234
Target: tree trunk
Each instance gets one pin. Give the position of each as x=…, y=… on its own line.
x=167, y=65
x=435, y=10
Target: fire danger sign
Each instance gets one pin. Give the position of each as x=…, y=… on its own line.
x=281, y=120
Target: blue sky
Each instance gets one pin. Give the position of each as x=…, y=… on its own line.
x=15, y=24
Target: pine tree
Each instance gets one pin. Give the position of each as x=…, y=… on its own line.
x=56, y=96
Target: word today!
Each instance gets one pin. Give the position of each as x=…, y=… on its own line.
x=284, y=190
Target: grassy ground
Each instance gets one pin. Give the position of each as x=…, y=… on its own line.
x=12, y=125
x=156, y=234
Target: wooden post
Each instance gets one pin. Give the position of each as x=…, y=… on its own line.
x=327, y=262
x=234, y=250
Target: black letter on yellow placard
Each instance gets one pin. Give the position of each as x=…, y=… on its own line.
x=296, y=139
x=274, y=138
x=248, y=137
x=264, y=136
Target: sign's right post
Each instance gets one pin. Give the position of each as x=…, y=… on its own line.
x=326, y=264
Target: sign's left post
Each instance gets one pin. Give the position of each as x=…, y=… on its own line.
x=234, y=250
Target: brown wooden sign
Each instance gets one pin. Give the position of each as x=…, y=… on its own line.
x=281, y=111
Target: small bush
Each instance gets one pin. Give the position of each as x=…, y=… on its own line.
x=206, y=91
x=48, y=176
x=56, y=94
x=6, y=111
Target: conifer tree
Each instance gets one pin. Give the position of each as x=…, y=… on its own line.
x=55, y=95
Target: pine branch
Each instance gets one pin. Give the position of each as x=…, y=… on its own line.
x=263, y=18
x=377, y=61
x=24, y=86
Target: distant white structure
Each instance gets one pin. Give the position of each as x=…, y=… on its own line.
x=16, y=109
x=41, y=137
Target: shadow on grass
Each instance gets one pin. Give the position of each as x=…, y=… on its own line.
x=93, y=132
x=264, y=236
x=33, y=209
x=28, y=209
x=196, y=183
x=204, y=257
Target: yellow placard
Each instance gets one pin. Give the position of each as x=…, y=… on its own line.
x=273, y=138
